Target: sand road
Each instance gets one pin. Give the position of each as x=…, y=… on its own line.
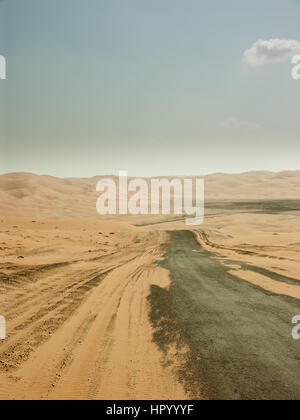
x=81, y=330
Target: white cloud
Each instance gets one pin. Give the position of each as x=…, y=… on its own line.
x=235, y=124
x=271, y=51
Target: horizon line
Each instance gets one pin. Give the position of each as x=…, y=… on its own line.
x=151, y=177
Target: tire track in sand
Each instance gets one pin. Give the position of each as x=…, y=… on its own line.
x=96, y=341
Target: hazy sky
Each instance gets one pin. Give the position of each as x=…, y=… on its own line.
x=155, y=87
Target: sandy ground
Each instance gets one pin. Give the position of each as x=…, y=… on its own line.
x=75, y=295
x=268, y=241
x=75, y=298
x=75, y=288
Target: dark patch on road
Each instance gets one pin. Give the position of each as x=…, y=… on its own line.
x=238, y=335
x=257, y=206
x=267, y=273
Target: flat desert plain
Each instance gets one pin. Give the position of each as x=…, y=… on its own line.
x=147, y=307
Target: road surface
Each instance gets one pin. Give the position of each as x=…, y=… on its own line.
x=238, y=335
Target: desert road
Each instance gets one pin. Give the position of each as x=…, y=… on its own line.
x=165, y=320
x=238, y=335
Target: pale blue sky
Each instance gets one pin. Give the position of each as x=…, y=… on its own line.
x=156, y=87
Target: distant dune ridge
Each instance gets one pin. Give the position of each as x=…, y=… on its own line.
x=29, y=195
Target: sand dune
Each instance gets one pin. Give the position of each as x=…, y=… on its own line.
x=29, y=195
